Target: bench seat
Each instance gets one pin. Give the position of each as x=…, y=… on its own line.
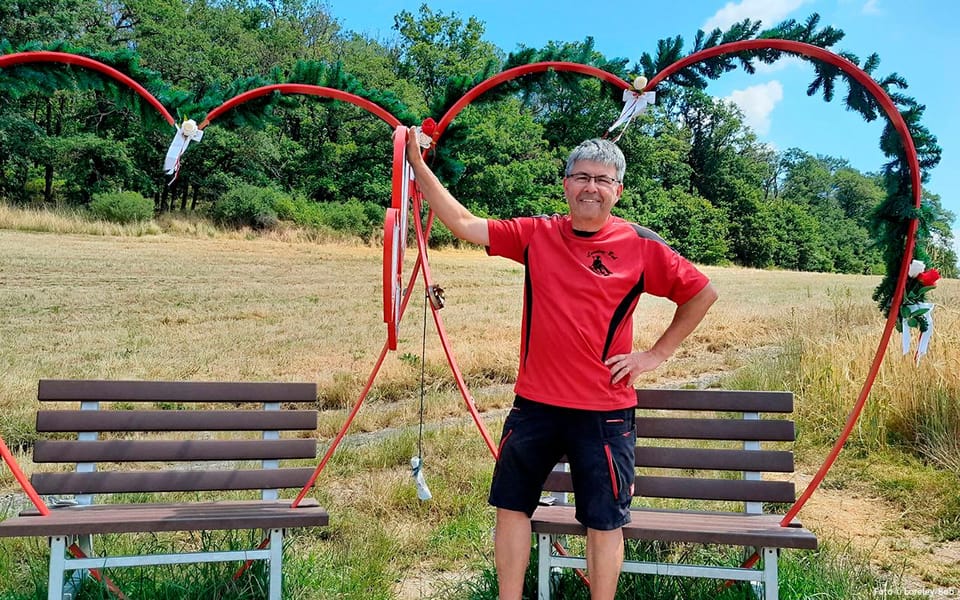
x=734, y=529
x=139, y=518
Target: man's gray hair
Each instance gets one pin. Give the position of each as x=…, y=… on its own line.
x=600, y=151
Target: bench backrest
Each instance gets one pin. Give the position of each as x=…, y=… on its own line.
x=715, y=433
x=198, y=441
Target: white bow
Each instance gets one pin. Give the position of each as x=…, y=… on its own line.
x=634, y=103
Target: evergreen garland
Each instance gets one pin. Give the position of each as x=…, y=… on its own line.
x=46, y=78
x=890, y=221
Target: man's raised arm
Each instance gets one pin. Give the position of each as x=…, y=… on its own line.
x=463, y=223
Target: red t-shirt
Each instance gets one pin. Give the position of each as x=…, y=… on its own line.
x=578, y=302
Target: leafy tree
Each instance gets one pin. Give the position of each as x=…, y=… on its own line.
x=506, y=167
x=434, y=47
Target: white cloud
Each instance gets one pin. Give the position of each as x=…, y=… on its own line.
x=770, y=12
x=871, y=8
x=757, y=103
x=783, y=63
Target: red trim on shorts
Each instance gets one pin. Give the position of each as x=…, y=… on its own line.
x=503, y=442
x=613, y=472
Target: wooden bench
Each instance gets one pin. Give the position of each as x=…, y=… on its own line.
x=704, y=437
x=175, y=450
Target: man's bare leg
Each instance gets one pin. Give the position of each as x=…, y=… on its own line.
x=604, y=560
x=511, y=552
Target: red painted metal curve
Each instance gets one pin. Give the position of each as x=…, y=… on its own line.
x=308, y=90
x=890, y=109
x=20, y=58
x=520, y=71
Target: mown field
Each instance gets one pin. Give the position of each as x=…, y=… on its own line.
x=199, y=306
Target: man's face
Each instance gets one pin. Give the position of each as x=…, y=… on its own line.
x=591, y=190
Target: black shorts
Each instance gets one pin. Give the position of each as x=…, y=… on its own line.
x=599, y=445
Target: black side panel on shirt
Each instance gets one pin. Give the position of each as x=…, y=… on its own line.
x=528, y=302
x=620, y=313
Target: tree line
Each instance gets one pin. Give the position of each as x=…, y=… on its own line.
x=696, y=172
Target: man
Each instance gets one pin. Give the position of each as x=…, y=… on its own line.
x=584, y=274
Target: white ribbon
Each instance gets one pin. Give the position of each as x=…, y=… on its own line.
x=188, y=132
x=924, y=341
x=634, y=103
x=423, y=492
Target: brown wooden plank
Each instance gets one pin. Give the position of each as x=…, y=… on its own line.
x=558, y=481
x=45, y=451
x=767, y=430
x=774, y=461
x=104, y=482
x=113, y=518
x=696, y=488
x=716, y=400
x=175, y=420
x=175, y=391
x=682, y=526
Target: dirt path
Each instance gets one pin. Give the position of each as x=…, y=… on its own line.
x=873, y=527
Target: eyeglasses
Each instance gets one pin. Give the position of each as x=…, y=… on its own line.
x=600, y=180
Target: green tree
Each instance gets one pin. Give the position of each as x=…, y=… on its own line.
x=434, y=47
x=506, y=167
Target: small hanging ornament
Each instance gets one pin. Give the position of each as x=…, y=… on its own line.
x=915, y=311
x=635, y=102
x=186, y=133
x=423, y=492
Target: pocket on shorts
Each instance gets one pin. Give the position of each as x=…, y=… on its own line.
x=619, y=454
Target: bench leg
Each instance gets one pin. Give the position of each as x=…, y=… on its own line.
x=71, y=584
x=544, y=545
x=58, y=550
x=276, y=563
x=771, y=583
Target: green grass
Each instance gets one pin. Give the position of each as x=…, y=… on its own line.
x=829, y=573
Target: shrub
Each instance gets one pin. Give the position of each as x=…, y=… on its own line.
x=249, y=205
x=354, y=217
x=121, y=207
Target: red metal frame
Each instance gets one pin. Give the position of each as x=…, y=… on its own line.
x=308, y=90
x=520, y=71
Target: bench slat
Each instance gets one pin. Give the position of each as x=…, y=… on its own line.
x=110, y=518
x=716, y=400
x=738, y=529
x=764, y=461
x=175, y=420
x=47, y=451
x=168, y=481
x=715, y=429
x=174, y=391
x=694, y=488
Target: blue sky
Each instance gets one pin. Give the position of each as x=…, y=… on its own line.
x=915, y=42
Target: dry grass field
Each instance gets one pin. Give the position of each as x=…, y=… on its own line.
x=195, y=307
